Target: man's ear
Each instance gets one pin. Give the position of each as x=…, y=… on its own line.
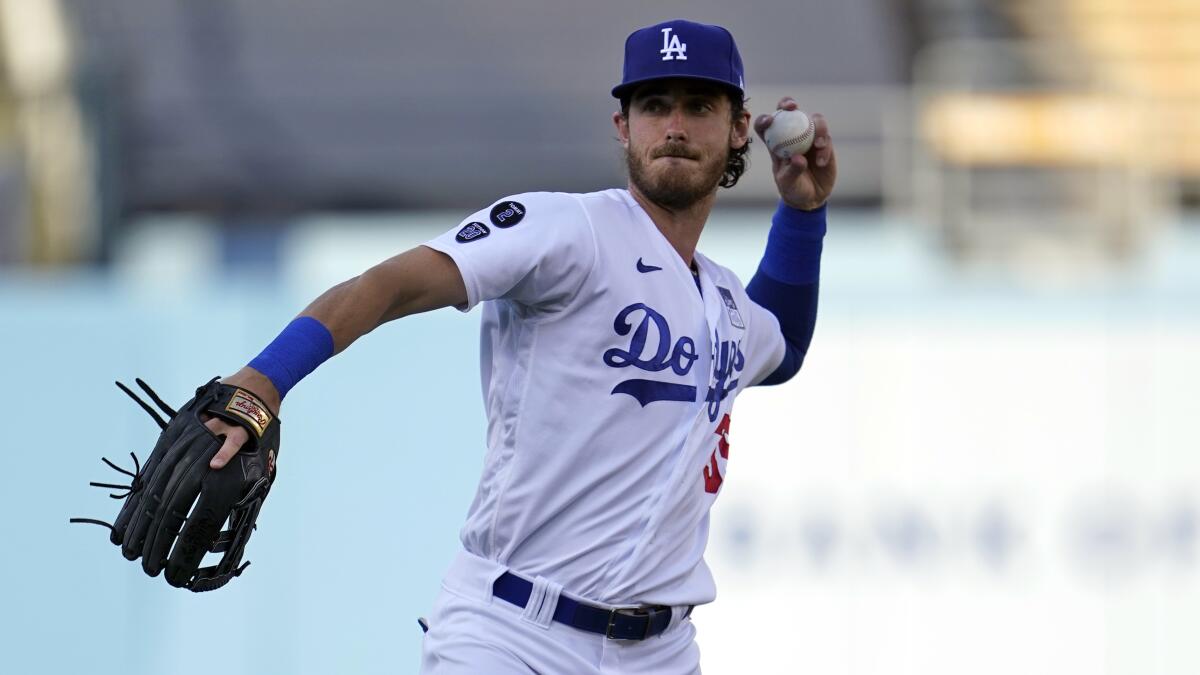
x=622, y=124
x=739, y=135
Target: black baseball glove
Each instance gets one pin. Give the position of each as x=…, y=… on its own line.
x=177, y=489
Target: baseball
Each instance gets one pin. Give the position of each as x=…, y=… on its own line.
x=791, y=133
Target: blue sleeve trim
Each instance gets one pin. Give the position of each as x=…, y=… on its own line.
x=787, y=282
x=793, y=254
x=796, y=309
x=304, y=344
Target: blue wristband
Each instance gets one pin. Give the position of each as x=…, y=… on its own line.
x=304, y=344
x=793, y=254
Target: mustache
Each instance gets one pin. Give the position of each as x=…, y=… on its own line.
x=674, y=150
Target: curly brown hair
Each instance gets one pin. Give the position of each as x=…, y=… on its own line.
x=737, y=162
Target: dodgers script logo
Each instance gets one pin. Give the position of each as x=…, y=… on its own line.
x=672, y=49
x=728, y=360
x=652, y=349
x=653, y=330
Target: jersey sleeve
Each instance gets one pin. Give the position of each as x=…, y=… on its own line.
x=535, y=249
x=766, y=345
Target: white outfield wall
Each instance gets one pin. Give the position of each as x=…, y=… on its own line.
x=974, y=472
x=941, y=497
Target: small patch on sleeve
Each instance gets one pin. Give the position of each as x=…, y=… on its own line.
x=507, y=213
x=472, y=232
x=735, y=317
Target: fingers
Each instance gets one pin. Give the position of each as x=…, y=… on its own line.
x=178, y=496
x=134, y=509
x=760, y=125
x=139, y=515
x=822, y=147
x=794, y=166
x=202, y=528
x=235, y=437
x=821, y=152
x=763, y=121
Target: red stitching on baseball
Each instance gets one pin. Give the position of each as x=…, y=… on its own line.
x=808, y=132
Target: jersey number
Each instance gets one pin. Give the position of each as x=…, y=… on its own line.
x=712, y=474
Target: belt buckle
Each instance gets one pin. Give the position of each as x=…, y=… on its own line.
x=627, y=611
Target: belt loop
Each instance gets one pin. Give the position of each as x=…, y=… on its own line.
x=542, y=601
x=679, y=614
x=491, y=578
x=472, y=576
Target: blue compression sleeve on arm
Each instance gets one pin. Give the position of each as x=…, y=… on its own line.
x=787, y=282
x=304, y=344
x=793, y=254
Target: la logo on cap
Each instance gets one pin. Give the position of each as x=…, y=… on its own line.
x=661, y=52
x=672, y=49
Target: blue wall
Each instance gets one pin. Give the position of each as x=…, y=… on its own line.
x=380, y=454
x=381, y=450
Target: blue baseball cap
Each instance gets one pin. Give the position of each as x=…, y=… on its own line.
x=681, y=48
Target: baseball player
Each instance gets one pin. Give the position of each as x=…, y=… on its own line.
x=612, y=352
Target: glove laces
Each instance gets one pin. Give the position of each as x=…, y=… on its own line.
x=136, y=481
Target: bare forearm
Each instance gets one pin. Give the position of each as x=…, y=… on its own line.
x=349, y=310
x=414, y=281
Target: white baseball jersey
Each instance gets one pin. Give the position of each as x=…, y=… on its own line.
x=608, y=380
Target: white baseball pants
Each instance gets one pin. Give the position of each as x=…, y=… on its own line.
x=470, y=632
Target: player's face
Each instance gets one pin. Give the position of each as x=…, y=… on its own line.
x=677, y=137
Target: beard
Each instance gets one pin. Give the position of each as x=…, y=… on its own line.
x=676, y=188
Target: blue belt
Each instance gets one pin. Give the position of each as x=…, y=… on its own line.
x=621, y=623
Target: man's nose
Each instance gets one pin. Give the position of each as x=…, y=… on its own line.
x=675, y=127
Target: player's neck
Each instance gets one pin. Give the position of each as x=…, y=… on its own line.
x=682, y=227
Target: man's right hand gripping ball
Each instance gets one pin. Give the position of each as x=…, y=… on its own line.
x=176, y=504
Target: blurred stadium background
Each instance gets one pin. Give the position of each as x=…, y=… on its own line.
x=989, y=465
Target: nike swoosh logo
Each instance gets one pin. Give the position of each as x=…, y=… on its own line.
x=644, y=268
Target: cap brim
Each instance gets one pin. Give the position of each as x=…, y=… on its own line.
x=627, y=87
